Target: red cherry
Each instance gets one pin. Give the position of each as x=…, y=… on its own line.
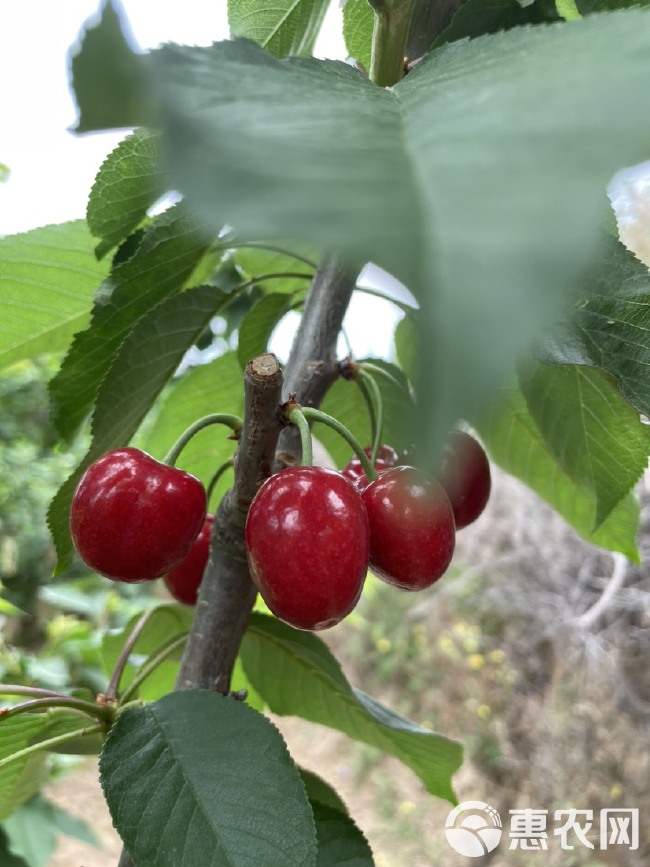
x=307, y=543
x=183, y=581
x=412, y=533
x=133, y=518
x=465, y=475
x=386, y=457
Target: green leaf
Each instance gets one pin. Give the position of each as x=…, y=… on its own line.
x=33, y=829
x=47, y=280
x=128, y=183
x=476, y=17
x=478, y=180
x=170, y=250
x=321, y=792
x=146, y=361
x=594, y=435
x=358, y=23
x=340, y=842
x=610, y=327
x=258, y=324
x=214, y=387
x=295, y=673
x=107, y=76
x=5, y=173
x=346, y=402
x=477, y=132
x=283, y=27
x=239, y=682
x=250, y=809
x=515, y=443
x=19, y=780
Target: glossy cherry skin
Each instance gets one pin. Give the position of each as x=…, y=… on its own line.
x=412, y=531
x=133, y=518
x=386, y=457
x=307, y=544
x=465, y=475
x=184, y=580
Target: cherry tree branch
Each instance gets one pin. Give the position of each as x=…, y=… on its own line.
x=312, y=367
x=227, y=593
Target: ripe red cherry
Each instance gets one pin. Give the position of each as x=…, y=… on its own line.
x=412, y=532
x=307, y=544
x=184, y=580
x=465, y=475
x=133, y=518
x=386, y=457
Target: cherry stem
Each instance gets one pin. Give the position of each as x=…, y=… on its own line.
x=261, y=246
x=150, y=665
x=33, y=691
x=297, y=417
x=274, y=275
x=226, y=465
x=375, y=368
x=363, y=376
x=312, y=414
x=376, y=293
x=53, y=742
x=125, y=652
x=70, y=702
x=231, y=421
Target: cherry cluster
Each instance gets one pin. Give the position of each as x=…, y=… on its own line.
x=312, y=533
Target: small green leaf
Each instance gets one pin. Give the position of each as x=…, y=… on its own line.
x=594, y=435
x=171, y=248
x=249, y=810
x=128, y=183
x=296, y=674
x=146, y=361
x=283, y=27
x=47, y=280
x=358, y=23
x=107, y=77
x=340, y=842
x=258, y=324
x=515, y=442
